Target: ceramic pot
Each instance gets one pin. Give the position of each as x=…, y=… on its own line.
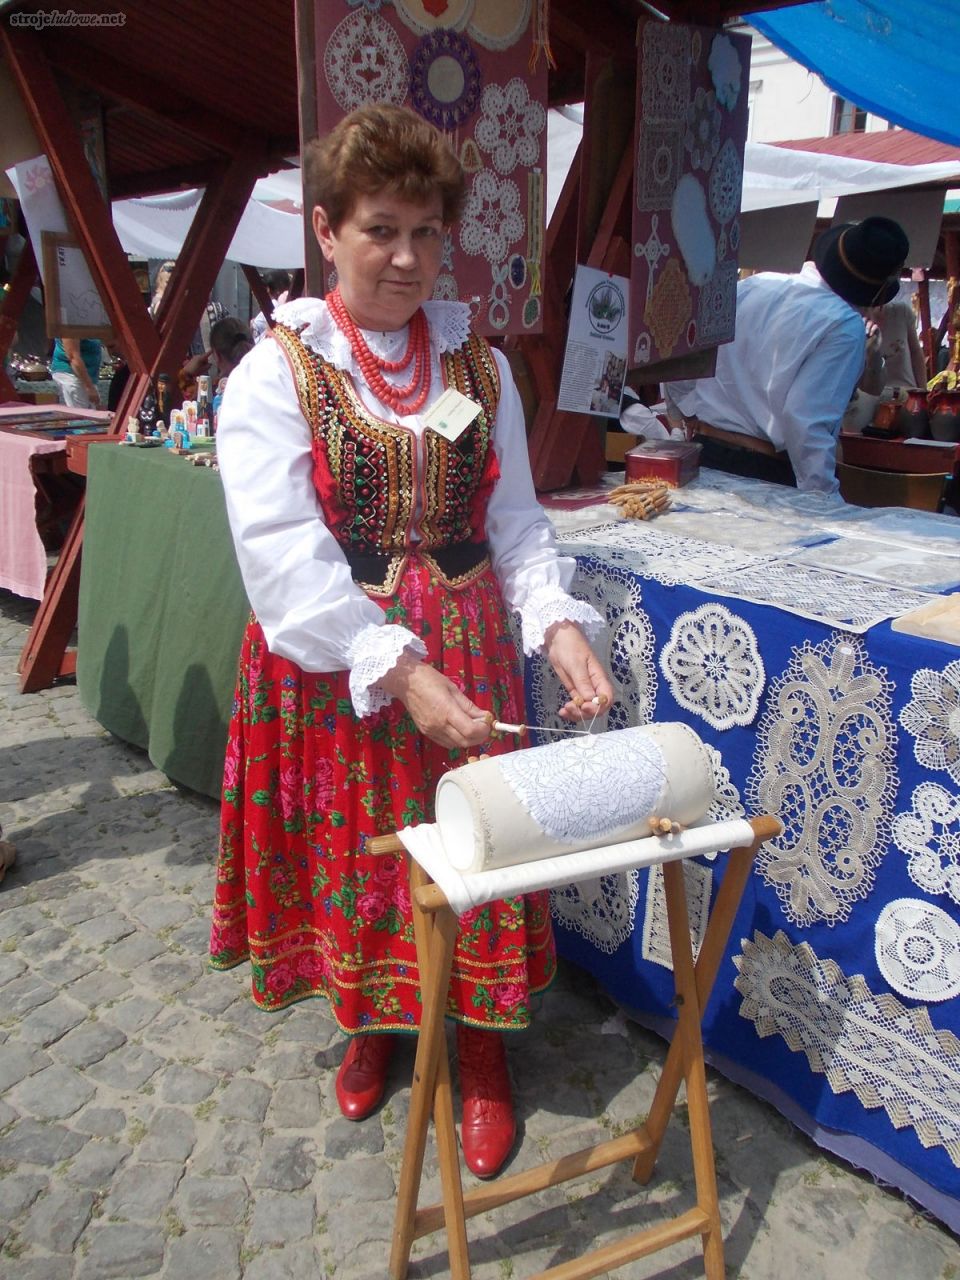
x=913, y=416
x=945, y=417
x=885, y=415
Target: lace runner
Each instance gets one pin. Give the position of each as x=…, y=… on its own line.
x=887, y=1054
x=823, y=595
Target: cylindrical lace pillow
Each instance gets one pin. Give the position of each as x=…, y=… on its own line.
x=583, y=792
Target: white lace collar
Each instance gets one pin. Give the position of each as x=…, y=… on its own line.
x=449, y=324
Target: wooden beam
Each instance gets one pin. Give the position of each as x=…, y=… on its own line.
x=183, y=116
x=158, y=182
x=87, y=211
x=309, y=129
x=259, y=291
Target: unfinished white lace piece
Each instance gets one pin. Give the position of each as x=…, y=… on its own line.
x=930, y=837
x=837, y=599
x=698, y=885
x=567, y=788
x=932, y=716
x=602, y=910
x=372, y=654
x=825, y=765
x=658, y=554
x=547, y=605
x=625, y=648
x=889, y=1055
x=713, y=666
x=918, y=950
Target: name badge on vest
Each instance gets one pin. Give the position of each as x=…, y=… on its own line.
x=451, y=414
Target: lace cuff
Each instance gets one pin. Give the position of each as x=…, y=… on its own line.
x=549, y=604
x=372, y=654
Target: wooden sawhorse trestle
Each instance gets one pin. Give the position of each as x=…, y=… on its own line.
x=435, y=926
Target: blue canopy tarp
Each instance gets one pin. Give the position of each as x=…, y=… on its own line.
x=899, y=59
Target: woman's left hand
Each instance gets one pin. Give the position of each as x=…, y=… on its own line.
x=568, y=652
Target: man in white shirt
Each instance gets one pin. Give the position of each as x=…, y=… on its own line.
x=773, y=408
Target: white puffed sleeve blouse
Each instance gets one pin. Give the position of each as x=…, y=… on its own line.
x=296, y=577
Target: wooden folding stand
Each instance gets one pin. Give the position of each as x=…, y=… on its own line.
x=435, y=926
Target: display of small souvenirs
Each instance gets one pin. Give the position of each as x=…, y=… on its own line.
x=30, y=368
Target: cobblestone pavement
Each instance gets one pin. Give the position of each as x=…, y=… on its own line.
x=153, y=1123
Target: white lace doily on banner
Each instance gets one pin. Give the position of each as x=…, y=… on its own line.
x=930, y=837
x=625, y=649
x=823, y=595
x=510, y=126
x=918, y=950
x=658, y=554
x=713, y=666
x=364, y=61
x=825, y=764
x=698, y=885
x=932, y=716
x=890, y=1056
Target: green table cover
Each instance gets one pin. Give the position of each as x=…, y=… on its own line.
x=162, y=609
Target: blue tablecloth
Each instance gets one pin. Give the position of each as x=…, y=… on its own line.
x=837, y=998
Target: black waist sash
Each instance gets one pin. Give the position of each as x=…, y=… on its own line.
x=373, y=568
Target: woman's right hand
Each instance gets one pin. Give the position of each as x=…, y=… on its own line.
x=438, y=708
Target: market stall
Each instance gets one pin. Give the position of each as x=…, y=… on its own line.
x=760, y=617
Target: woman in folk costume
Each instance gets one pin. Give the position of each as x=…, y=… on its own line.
x=380, y=558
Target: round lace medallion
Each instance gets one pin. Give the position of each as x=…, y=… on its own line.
x=445, y=79
x=364, y=62
x=424, y=16
x=510, y=126
x=930, y=837
x=713, y=666
x=825, y=763
x=491, y=220
x=932, y=716
x=498, y=24
x=918, y=950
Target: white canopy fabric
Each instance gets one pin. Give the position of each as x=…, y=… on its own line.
x=266, y=237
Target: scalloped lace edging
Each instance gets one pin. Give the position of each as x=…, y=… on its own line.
x=548, y=605
x=371, y=655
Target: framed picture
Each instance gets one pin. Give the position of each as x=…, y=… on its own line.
x=73, y=305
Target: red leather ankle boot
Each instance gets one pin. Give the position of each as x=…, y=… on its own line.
x=489, y=1127
x=362, y=1077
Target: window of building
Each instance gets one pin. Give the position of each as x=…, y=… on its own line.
x=847, y=116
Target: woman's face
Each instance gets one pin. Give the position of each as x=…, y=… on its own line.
x=387, y=255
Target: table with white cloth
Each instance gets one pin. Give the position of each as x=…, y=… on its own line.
x=762, y=617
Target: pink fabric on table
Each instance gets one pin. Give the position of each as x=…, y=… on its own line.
x=23, y=559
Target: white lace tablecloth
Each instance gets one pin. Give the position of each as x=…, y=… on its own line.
x=809, y=554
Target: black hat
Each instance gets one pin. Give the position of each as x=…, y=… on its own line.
x=862, y=261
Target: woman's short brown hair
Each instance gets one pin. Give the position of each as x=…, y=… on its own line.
x=382, y=147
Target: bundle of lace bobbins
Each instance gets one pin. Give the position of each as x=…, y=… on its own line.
x=642, y=499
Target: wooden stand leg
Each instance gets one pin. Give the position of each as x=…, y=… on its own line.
x=435, y=937
x=711, y=953
x=436, y=928
x=689, y=1033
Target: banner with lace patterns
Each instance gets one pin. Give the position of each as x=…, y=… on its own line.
x=691, y=127
x=474, y=69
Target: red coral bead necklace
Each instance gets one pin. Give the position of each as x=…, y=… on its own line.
x=410, y=396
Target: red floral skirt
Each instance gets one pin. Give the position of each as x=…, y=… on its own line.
x=306, y=784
